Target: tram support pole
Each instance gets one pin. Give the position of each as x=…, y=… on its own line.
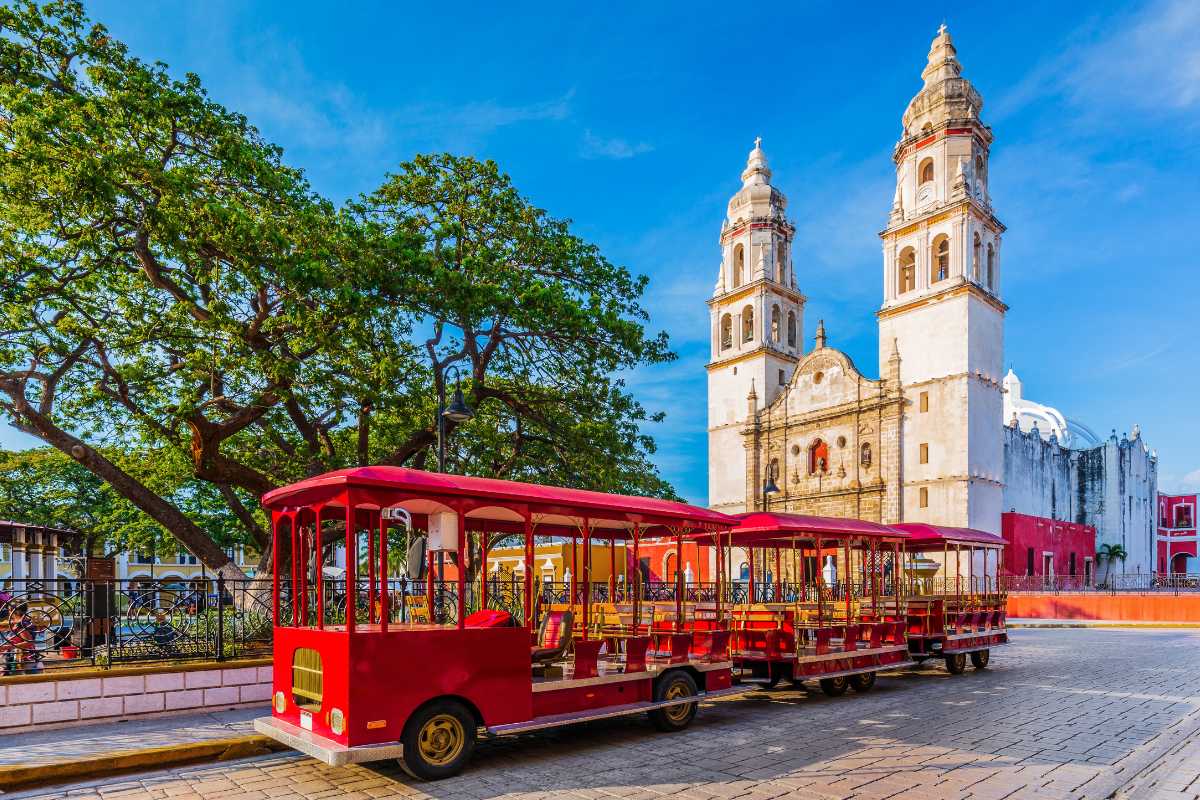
x=351, y=563
x=275, y=518
x=462, y=570
x=587, y=577
x=680, y=579
x=384, y=598
x=529, y=573
x=319, y=568
x=778, y=573
x=483, y=570
x=637, y=583
x=370, y=567
x=752, y=597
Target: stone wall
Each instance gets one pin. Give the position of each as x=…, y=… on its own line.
x=1111, y=487
x=82, y=696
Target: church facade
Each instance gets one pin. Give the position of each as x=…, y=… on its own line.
x=927, y=441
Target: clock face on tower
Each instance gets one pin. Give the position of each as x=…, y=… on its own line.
x=925, y=194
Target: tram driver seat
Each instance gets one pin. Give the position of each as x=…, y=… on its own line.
x=554, y=637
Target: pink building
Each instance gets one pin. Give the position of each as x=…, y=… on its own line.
x=1177, y=539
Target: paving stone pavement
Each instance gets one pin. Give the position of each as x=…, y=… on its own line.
x=89, y=740
x=1070, y=713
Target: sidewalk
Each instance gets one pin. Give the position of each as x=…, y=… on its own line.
x=1030, y=622
x=65, y=753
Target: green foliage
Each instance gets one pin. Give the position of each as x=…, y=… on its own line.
x=183, y=316
x=44, y=487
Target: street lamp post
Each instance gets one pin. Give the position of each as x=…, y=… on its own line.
x=457, y=411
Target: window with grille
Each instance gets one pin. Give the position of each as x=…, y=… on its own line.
x=307, y=679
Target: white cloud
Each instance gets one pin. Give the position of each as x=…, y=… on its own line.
x=597, y=147
x=1186, y=484
x=1147, y=61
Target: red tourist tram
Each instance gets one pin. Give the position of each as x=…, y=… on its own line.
x=956, y=608
x=370, y=666
x=364, y=672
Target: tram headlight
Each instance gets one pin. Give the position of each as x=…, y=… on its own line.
x=280, y=703
x=337, y=721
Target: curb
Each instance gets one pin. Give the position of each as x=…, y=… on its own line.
x=122, y=760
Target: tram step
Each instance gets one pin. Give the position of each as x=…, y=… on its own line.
x=554, y=720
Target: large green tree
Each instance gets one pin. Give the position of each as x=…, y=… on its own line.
x=170, y=285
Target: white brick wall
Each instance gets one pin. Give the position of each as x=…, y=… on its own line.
x=51, y=702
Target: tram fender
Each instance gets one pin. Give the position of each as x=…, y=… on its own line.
x=696, y=675
x=458, y=698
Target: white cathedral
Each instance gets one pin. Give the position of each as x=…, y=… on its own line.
x=942, y=436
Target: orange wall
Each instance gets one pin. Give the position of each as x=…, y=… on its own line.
x=1124, y=607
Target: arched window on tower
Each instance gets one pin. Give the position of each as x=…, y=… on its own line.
x=781, y=262
x=739, y=264
x=939, y=267
x=991, y=267
x=791, y=329
x=925, y=172
x=748, y=324
x=726, y=331
x=976, y=258
x=906, y=271
x=980, y=169
x=818, y=457
x=776, y=324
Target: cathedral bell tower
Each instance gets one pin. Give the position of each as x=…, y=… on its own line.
x=941, y=303
x=757, y=323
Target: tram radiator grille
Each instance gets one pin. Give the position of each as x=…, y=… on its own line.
x=307, y=679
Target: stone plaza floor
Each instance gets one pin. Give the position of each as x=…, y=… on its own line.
x=1059, y=714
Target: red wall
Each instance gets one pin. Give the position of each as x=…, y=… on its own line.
x=1023, y=531
x=1119, y=607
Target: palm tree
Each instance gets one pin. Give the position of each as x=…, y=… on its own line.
x=1108, y=553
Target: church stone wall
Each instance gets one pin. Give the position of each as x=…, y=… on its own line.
x=1111, y=487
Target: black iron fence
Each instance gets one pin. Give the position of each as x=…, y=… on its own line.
x=1139, y=583
x=51, y=624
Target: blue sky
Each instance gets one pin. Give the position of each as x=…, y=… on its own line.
x=635, y=120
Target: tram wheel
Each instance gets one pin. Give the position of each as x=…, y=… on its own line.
x=862, y=682
x=835, y=687
x=672, y=687
x=438, y=740
x=980, y=658
x=956, y=663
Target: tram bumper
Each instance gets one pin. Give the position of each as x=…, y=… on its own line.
x=323, y=749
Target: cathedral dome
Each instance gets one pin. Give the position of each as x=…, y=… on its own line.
x=946, y=94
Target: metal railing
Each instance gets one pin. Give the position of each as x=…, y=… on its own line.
x=52, y=624
x=1133, y=582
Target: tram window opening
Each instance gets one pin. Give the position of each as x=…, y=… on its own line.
x=307, y=679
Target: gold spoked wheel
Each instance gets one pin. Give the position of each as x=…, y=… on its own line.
x=678, y=713
x=674, y=685
x=441, y=740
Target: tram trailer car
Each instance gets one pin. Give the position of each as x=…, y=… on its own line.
x=961, y=614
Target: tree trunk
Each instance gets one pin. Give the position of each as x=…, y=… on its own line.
x=190, y=535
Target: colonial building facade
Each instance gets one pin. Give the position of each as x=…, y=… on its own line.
x=929, y=441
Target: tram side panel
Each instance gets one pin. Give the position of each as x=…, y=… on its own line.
x=393, y=674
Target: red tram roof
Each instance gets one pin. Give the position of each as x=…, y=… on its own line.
x=765, y=528
x=555, y=505
x=923, y=536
